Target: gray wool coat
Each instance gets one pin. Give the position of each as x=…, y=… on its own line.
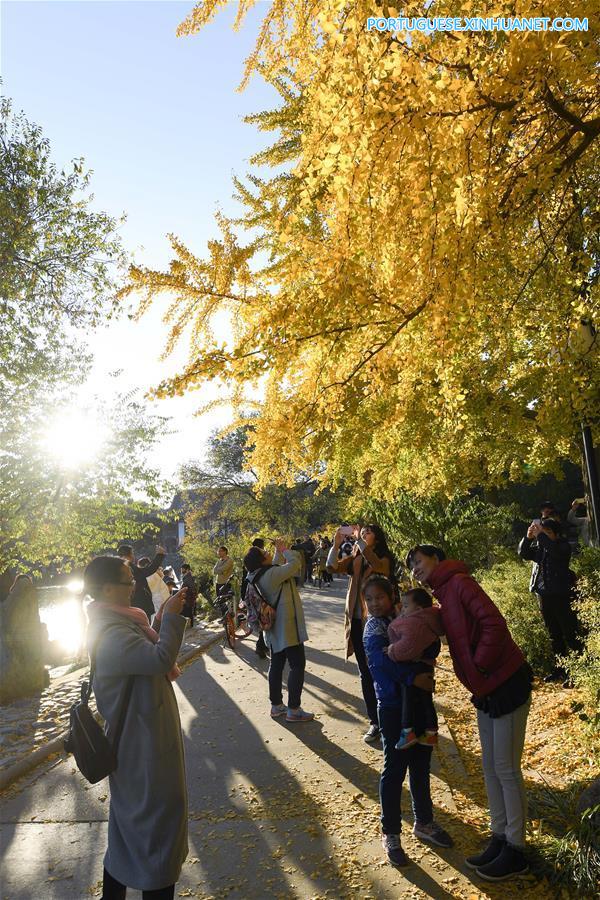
x=147, y=825
x=290, y=628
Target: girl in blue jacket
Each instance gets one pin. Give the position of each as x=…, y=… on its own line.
x=388, y=676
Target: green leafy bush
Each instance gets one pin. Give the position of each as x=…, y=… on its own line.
x=568, y=840
x=507, y=583
x=584, y=668
x=466, y=528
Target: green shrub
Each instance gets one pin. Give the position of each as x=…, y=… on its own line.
x=587, y=564
x=467, y=528
x=584, y=668
x=569, y=839
x=507, y=583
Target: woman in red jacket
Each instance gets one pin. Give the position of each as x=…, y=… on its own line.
x=490, y=665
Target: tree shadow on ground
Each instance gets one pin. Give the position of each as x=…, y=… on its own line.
x=235, y=751
x=365, y=777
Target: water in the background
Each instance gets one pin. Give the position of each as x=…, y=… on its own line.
x=61, y=610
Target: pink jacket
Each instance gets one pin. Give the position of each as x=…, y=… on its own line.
x=410, y=635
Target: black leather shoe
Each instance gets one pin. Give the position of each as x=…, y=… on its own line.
x=493, y=850
x=509, y=864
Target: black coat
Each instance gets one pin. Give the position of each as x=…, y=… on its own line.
x=551, y=573
x=189, y=607
x=142, y=596
x=308, y=548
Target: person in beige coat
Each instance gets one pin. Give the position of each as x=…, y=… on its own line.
x=147, y=825
x=370, y=555
x=273, y=578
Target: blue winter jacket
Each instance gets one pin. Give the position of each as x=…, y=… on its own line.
x=387, y=675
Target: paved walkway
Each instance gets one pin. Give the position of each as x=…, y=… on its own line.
x=275, y=810
x=29, y=725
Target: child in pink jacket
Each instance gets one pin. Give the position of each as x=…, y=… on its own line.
x=414, y=635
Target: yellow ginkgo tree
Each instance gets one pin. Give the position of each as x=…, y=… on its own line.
x=417, y=295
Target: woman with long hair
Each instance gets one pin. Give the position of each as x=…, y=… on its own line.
x=370, y=556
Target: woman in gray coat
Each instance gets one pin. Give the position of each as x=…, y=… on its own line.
x=147, y=826
x=273, y=579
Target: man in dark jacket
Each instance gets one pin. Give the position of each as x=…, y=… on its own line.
x=188, y=581
x=142, y=596
x=261, y=648
x=308, y=549
x=552, y=582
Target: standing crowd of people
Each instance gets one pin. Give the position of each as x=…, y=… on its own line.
x=395, y=636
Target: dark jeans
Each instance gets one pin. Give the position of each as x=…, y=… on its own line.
x=418, y=711
x=561, y=622
x=366, y=681
x=417, y=760
x=188, y=612
x=114, y=890
x=297, y=662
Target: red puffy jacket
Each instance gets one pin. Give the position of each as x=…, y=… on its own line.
x=478, y=636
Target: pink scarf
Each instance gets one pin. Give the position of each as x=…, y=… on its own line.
x=139, y=618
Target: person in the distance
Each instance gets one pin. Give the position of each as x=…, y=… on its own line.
x=370, y=555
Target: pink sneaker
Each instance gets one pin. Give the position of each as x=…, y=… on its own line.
x=298, y=715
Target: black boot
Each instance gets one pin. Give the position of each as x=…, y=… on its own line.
x=493, y=849
x=555, y=675
x=510, y=863
x=261, y=647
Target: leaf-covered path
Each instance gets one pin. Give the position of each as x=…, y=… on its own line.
x=275, y=810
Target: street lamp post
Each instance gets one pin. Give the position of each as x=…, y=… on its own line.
x=582, y=340
x=593, y=483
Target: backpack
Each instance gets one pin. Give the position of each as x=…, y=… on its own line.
x=95, y=755
x=265, y=612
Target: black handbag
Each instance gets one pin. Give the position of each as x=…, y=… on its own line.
x=95, y=755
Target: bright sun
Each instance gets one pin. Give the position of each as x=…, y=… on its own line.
x=75, y=438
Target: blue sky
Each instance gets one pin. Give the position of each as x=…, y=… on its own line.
x=159, y=121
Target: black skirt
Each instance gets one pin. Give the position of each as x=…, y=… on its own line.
x=508, y=696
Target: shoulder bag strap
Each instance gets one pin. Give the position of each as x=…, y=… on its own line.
x=262, y=596
x=124, y=701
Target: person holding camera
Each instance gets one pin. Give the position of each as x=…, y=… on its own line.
x=273, y=578
x=147, y=825
x=370, y=555
x=552, y=582
x=142, y=596
x=579, y=520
